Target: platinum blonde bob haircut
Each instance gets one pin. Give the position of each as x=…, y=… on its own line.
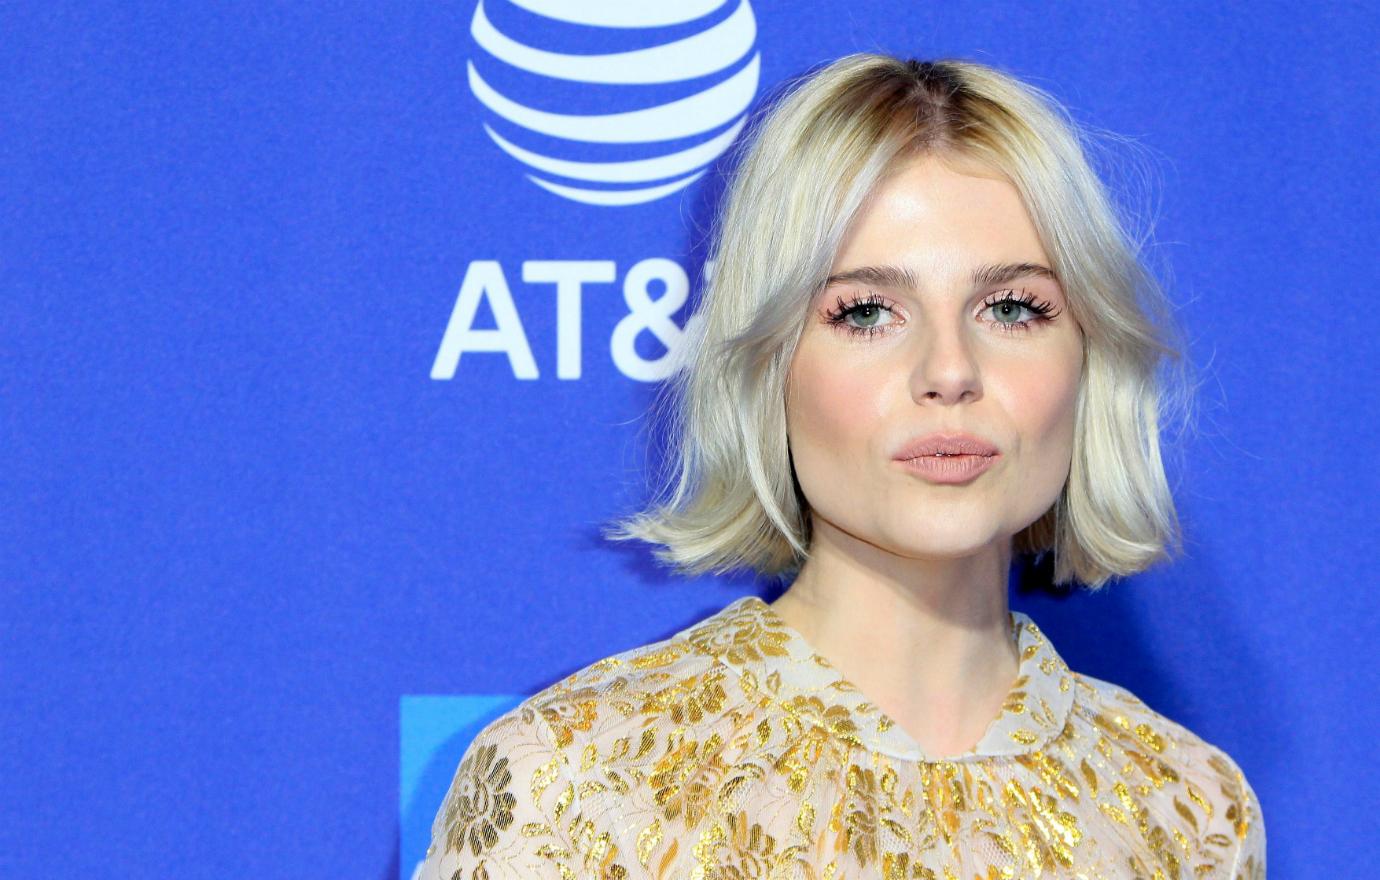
x=729, y=497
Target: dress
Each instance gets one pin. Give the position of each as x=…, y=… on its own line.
x=733, y=750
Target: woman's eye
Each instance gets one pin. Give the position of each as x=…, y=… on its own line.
x=1009, y=312
x=862, y=316
x=869, y=316
x=1006, y=313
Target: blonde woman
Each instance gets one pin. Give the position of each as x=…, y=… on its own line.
x=927, y=345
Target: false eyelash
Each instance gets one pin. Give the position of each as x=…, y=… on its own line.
x=1044, y=312
x=842, y=310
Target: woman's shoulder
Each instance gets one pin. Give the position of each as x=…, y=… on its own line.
x=532, y=777
x=1198, y=777
x=672, y=679
x=1121, y=709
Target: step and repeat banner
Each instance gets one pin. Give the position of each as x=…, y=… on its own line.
x=331, y=333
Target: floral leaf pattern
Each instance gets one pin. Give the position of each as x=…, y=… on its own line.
x=734, y=751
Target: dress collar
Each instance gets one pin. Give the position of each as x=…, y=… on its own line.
x=774, y=661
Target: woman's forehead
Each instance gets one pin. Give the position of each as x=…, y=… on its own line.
x=935, y=213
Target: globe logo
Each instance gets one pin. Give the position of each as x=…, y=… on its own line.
x=666, y=137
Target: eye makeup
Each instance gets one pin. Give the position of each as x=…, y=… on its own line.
x=1005, y=302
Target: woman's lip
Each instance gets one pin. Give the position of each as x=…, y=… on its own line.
x=956, y=442
x=949, y=469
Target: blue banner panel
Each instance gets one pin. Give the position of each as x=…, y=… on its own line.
x=330, y=334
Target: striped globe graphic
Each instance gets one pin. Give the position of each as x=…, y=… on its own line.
x=678, y=73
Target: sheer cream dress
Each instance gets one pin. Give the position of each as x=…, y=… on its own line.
x=734, y=750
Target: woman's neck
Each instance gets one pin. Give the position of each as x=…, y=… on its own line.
x=927, y=640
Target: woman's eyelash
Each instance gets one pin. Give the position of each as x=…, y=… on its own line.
x=1044, y=312
x=842, y=311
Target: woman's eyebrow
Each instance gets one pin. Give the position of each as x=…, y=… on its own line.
x=901, y=278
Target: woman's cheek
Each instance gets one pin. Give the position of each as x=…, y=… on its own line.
x=832, y=416
x=1042, y=405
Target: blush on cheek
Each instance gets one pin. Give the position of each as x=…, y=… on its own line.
x=833, y=416
x=831, y=404
x=1045, y=414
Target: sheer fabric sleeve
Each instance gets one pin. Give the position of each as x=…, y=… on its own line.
x=502, y=815
x=1249, y=863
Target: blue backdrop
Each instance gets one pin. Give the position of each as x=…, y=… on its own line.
x=328, y=339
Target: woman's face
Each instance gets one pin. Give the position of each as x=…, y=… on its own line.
x=880, y=364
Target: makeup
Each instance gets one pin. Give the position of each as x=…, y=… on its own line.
x=948, y=469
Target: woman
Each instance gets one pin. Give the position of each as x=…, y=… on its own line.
x=927, y=345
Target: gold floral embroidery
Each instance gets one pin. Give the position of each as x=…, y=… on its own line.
x=685, y=781
x=749, y=852
x=569, y=712
x=480, y=805
x=834, y=719
x=856, y=815
x=809, y=744
x=689, y=699
x=742, y=638
x=734, y=751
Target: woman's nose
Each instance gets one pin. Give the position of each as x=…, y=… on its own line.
x=945, y=366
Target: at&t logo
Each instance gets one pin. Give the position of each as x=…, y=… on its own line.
x=550, y=140
x=485, y=281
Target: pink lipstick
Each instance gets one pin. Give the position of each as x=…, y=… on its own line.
x=947, y=458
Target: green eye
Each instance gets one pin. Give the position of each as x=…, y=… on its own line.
x=868, y=310
x=1010, y=305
